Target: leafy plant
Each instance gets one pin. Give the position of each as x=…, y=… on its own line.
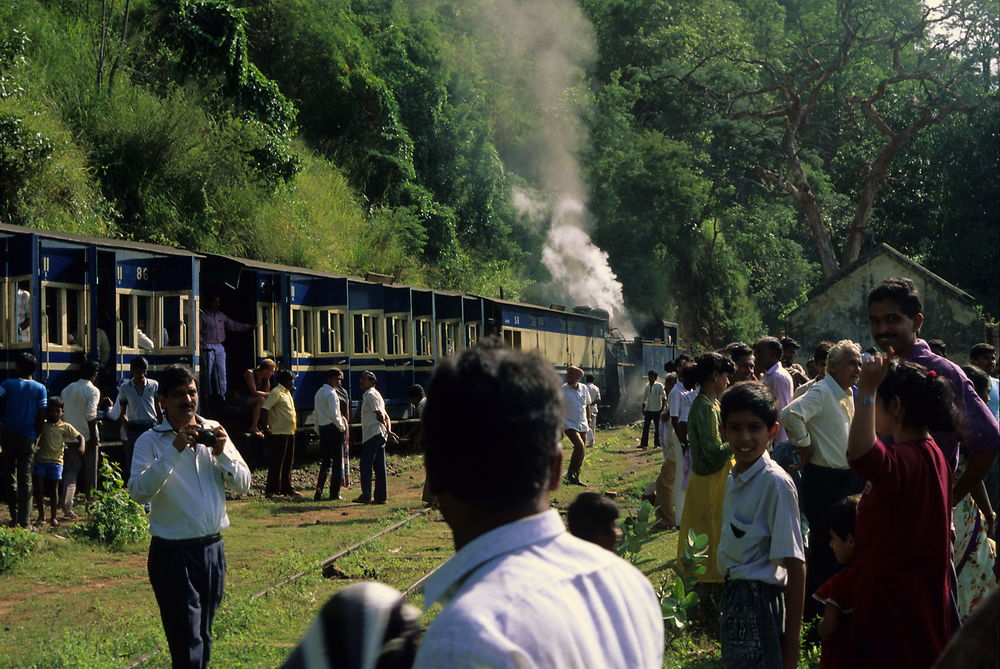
x=636, y=531
x=678, y=599
x=113, y=518
x=15, y=546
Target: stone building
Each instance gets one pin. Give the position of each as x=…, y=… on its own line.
x=838, y=309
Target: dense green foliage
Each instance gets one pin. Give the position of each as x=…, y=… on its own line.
x=389, y=136
x=16, y=545
x=113, y=518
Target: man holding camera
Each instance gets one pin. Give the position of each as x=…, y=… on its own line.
x=182, y=468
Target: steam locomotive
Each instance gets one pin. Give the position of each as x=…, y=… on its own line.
x=66, y=298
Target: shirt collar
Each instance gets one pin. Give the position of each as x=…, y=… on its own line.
x=742, y=478
x=508, y=538
x=835, y=388
x=773, y=369
x=919, y=351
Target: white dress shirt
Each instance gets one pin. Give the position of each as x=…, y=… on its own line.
x=186, y=490
x=687, y=399
x=822, y=419
x=674, y=400
x=760, y=524
x=575, y=401
x=804, y=388
x=595, y=397
x=80, y=400
x=529, y=594
x=326, y=407
x=370, y=424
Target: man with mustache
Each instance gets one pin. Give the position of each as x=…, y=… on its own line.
x=183, y=472
x=895, y=316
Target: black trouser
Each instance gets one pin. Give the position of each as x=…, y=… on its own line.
x=647, y=418
x=279, y=469
x=188, y=577
x=331, y=445
x=821, y=488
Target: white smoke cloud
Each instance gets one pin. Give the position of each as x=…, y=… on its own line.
x=555, y=43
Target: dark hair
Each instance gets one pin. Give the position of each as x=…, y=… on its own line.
x=771, y=343
x=683, y=357
x=981, y=349
x=416, y=390
x=737, y=350
x=334, y=371
x=937, y=346
x=711, y=363
x=749, y=396
x=654, y=373
x=788, y=342
x=589, y=378
x=517, y=398
x=900, y=290
x=55, y=402
x=88, y=369
x=927, y=398
x=822, y=351
x=25, y=363
x=841, y=516
x=980, y=379
x=687, y=377
x=139, y=361
x=173, y=377
x=283, y=376
x=590, y=514
x=669, y=366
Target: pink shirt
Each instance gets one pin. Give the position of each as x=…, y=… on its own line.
x=780, y=383
x=214, y=325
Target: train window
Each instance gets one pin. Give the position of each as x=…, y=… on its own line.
x=331, y=332
x=63, y=316
x=512, y=338
x=145, y=328
x=425, y=338
x=174, y=316
x=268, y=341
x=302, y=330
x=364, y=333
x=397, y=335
x=21, y=298
x=126, y=332
x=472, y=333
x=447, y=339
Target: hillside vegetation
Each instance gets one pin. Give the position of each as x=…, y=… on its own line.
x=392, y=136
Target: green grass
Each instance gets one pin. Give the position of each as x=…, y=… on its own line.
x=75, y=604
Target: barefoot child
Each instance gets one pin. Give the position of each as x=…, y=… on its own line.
x=49, y=459
x=760, y=552
x=836, y=592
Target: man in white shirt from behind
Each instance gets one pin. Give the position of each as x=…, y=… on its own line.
x=80, y=400
x=185, y=482
x=520, y=590
x=576, y=400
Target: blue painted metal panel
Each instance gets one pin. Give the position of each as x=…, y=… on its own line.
x=396, y=299
x=423, y=302
x=364, y=295
x=20, y=255
x=59, y=262
x=447, y=306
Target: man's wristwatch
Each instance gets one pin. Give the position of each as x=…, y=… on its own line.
x=868, y=400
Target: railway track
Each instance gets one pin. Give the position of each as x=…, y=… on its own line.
x=408, y=591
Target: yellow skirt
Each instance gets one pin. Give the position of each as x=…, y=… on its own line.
x=703, y=503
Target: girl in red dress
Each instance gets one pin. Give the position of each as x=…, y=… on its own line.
x=902, y=598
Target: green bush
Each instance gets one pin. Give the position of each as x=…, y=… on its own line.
x=113, y=518
x=15, y=546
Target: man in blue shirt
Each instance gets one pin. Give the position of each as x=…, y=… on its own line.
x=24, y=402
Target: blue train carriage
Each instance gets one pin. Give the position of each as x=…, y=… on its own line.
x=630, y=360
x=561, y=337
x=68, y=297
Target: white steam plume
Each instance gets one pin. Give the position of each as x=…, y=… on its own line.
x=554, y=42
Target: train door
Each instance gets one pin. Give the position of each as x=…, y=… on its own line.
x=330, y=318
x=174, y=322
x=136, y=324
x=423, y=335
x=448, y=319
x=268, y=340
x=367, y=340
x=472, y=319
x=64, y=312
x=19, y=282
x=399, y=338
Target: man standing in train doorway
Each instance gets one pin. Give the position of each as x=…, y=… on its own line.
x=214, y=325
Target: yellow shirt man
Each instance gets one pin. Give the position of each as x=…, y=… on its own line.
x=280, y=409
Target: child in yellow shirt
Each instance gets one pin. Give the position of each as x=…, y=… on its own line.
x=49, y=458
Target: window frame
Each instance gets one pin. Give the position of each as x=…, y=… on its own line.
x=343, y=336
x=185, y=300
x=274, y=311
x=371, y=316
x=303, y=335
x=152, y=331
x=401, y=321
x=83, y=316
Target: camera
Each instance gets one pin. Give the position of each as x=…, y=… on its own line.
x=206, y=436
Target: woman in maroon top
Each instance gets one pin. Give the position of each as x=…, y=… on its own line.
x=902, y=600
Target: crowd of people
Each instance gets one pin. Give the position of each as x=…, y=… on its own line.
x=854, y=491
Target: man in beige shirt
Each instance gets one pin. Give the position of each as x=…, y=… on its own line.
x=279, y=419
x=818, y=423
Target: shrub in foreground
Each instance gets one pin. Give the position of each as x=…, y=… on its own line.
x=113, y=518
x=15, y=546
